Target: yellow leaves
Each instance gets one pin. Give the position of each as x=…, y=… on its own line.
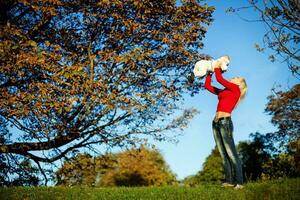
x=178, y=38
x=34, y=7
x=106, y=54
x=138, y=4
x=143, y=95
x=60, y=110
x=32, y=43
x=32, y=58
x=47, y=43
x=121, y=58
x=134, y=26
x=130, y=25
x=41, y=60
x=116, y=16
x=104, y=3
x=74, y=72
x=133, y=66
x=165, y=40
x=52, y=11
x=57, y=47
x=112, y=96
x=136, y=54
x=125, y=100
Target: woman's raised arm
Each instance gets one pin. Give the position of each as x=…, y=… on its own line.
x=224, y=82
x=209, y=87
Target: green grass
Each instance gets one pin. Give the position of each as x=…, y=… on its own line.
x=280, y=189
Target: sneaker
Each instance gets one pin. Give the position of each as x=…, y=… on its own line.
x=238, y=186
x=227, y=185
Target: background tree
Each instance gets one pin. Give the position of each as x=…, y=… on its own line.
x=282, y=21
x=79, y=170
x=139, y=167
x=283, y=165
x=21, y=172
x=28, y=175
x=212, y=170
x=134, y=167
x=84, y=170
x=262, y=160
x=294, y=150
x=84, y=73
x=284, y=107
x=254, y=154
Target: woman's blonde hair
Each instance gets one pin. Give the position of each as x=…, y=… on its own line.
x=243, y=88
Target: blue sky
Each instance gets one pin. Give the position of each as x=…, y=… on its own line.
x=230, y=35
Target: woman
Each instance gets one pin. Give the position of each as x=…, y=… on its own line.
x=234, y=91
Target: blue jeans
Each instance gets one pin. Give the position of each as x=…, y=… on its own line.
x=223, y=130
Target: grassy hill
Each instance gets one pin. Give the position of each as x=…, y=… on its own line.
x=280, y=189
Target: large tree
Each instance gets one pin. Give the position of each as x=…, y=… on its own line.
x=80, y=73
x=282, y=36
